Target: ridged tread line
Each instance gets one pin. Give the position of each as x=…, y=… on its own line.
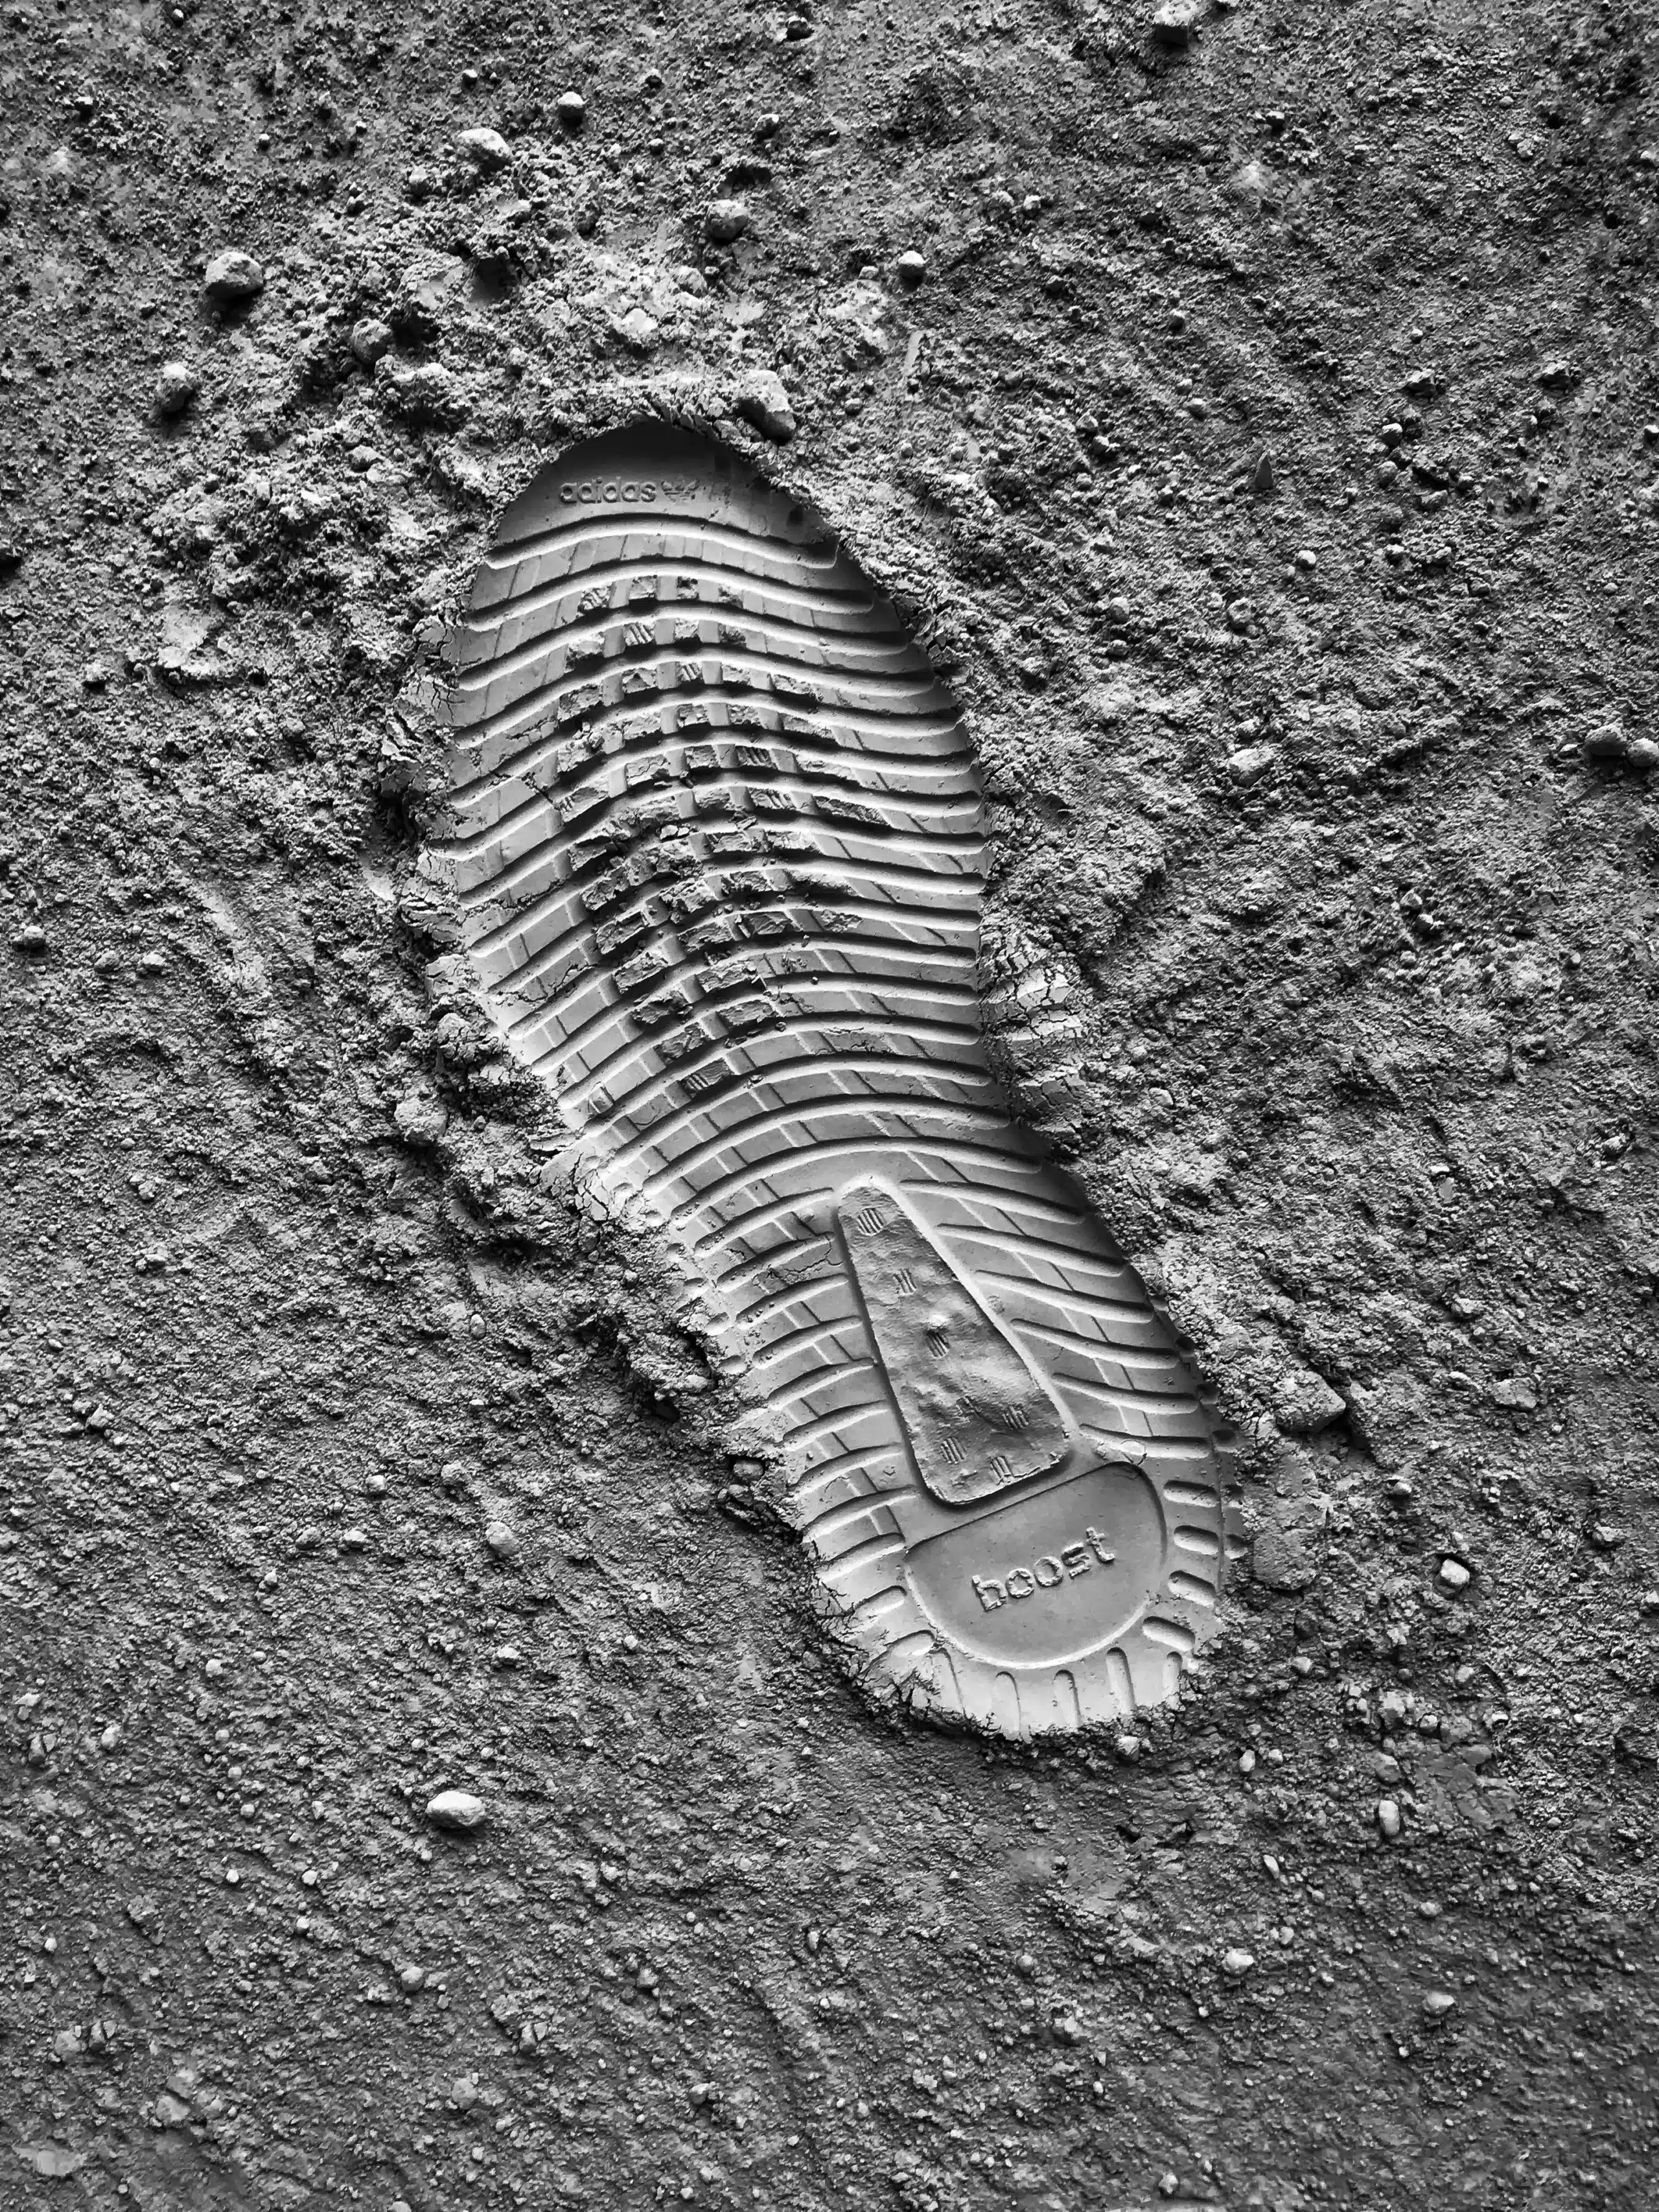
x=924, y=737
x=793, y=768
x=715, y=992
x=506, y=647
x=641, y=568
x=814, y=1036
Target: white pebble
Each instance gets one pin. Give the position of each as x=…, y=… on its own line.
x=486, y=150
x=726, y=220
x=232, y=275
x=176, y=385
x=456, y=1810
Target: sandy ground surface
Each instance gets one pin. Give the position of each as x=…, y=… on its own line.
x=1263, y=439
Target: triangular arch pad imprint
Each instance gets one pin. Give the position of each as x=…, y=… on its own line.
x=717, y=835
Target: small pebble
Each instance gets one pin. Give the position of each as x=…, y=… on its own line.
x=726, y=220
x=456, y=1810
x=1250, y=764
x=232, y=277
x=1455, y=1575
x=637, y=330
x=370, y=340
x=1606, y=743
x=1388, y=1817
x=1236, y=1964
x=1175, y=22
x=1439, y=2003
x=762, y=400
x=486, y=150
x=502, y=1540
x=176, y=385
x=421, y=1120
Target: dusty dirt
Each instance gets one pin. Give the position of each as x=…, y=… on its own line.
x=1265, y=447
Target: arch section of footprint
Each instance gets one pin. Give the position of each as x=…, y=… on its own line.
x=717, y=834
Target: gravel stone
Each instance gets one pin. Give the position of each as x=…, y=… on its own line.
x=371, y=340
x=1607, y=742
x=1249, y=763
x=456, y=1810
x=1175, y=21
x=232, y=277
x=763, y=400
x=486, y=150
x=726, y=221
x=176, y=385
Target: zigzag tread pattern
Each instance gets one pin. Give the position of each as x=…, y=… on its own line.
x=715, y=829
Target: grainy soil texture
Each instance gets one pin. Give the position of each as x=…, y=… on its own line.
x=434, y=1773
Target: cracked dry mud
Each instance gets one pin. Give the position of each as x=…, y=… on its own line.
x=826, y=1316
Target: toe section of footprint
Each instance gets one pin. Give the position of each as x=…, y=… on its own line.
x=717, y=834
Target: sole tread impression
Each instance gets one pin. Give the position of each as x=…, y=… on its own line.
x=716, y=834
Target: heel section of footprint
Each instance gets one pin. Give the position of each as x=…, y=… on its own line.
x=717, y=834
